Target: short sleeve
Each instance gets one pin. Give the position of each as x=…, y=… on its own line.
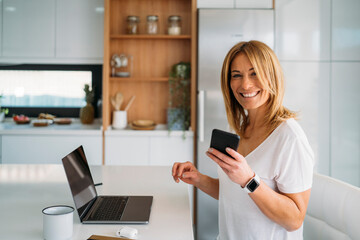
x=296, y=167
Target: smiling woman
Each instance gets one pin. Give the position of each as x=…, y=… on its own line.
x=55, y=89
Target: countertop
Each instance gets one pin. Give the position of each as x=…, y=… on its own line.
x=9, y=127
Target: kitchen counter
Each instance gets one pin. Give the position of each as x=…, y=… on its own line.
x=9, y=127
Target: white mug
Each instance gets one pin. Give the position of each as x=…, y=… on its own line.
x=119, y=119
x=58, y=222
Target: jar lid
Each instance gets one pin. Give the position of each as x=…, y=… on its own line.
x=133, y=19
x=152, y=18
x=174, y=18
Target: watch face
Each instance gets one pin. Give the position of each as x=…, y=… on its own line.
x=252, y=185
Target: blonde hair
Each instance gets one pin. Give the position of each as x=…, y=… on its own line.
x=269, y=72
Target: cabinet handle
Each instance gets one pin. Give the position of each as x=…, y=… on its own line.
x=201, y=107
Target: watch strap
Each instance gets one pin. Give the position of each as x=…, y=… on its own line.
x=252, y=184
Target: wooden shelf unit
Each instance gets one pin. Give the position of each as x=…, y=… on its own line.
x=153, y=56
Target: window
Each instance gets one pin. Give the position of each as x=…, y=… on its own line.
x=54, y=89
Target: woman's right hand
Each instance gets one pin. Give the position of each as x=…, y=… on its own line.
x=186, y=172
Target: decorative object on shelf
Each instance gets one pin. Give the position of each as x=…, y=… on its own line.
x=174, y=25
x=132, y=25
x=152, y=24
x=87, y=113
x=178, y=112
x=3, y=111
x=143, y=125
x=124, y=63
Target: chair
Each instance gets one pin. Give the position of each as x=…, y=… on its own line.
x=334, y=210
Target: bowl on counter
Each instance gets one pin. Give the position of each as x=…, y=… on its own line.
x=143, y=125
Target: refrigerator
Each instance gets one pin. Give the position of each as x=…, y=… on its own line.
x=219, y=30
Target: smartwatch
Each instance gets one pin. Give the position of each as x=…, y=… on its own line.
x=252, y=184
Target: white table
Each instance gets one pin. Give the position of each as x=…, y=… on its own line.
x=26, y=189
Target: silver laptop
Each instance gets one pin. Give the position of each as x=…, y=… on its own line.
x=101, y=209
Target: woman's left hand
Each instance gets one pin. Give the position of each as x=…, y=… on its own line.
x=236, y=168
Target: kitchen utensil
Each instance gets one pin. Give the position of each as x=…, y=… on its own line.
x=117, y=101
x=129, y=103
x=119, y=98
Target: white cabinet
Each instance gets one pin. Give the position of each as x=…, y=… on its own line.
x=129, y=147
x=1, y=17
x=254, y=3
x=215, y=3
x=308, y=93
x=79, y=29
x=49, y=148
x=28, y=28
x=345, y=30
x=52, y=31
x=345, y=119
x=302, y=29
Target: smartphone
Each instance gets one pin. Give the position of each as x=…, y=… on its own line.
x=220, y=140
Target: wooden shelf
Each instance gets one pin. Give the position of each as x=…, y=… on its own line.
x=139, y=79
x=147, y=36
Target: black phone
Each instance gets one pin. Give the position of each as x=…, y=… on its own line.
x=220, y=140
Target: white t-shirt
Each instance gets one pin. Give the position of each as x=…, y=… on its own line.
x=285, y=162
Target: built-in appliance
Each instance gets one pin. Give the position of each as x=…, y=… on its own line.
x=219, y=30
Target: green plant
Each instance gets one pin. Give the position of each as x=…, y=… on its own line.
x=179, y=97
x=89, y=94
x=4, y=110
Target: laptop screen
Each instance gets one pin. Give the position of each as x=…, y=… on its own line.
x=79, y=177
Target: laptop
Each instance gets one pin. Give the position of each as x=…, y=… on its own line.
x=101, y=209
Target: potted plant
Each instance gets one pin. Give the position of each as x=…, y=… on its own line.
x=178, y=112
x=3, y=111
x=87, y=112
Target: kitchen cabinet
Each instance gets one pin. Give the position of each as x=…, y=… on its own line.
x=345, y=30
x=126, y=147
x=300, y=40
x=153, y=56
x=235, y=4
x=80, y=29
x=345, y=119
x=311, y=100
x=1, y=26
x=49, y=148
x=28, y=29
x=253, y=3
x=52, y=31
x=215, y=3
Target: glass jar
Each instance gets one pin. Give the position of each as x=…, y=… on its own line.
x=152, y=24
x=132, y=25
x=174, y=25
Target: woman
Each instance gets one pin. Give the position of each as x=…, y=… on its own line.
x=274, y=162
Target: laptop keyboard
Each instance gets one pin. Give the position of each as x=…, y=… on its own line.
x=109, y=208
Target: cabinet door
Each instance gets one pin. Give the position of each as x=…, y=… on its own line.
x=167, y=150
x=345, y=30
x=38, y=149
x=79, y=29
x=345, y=119
x=28, y=28
x=1, y=17
x=215, y=3
x=308, y=93
x=126, y=150
x=253, y=3
x=302, y=29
